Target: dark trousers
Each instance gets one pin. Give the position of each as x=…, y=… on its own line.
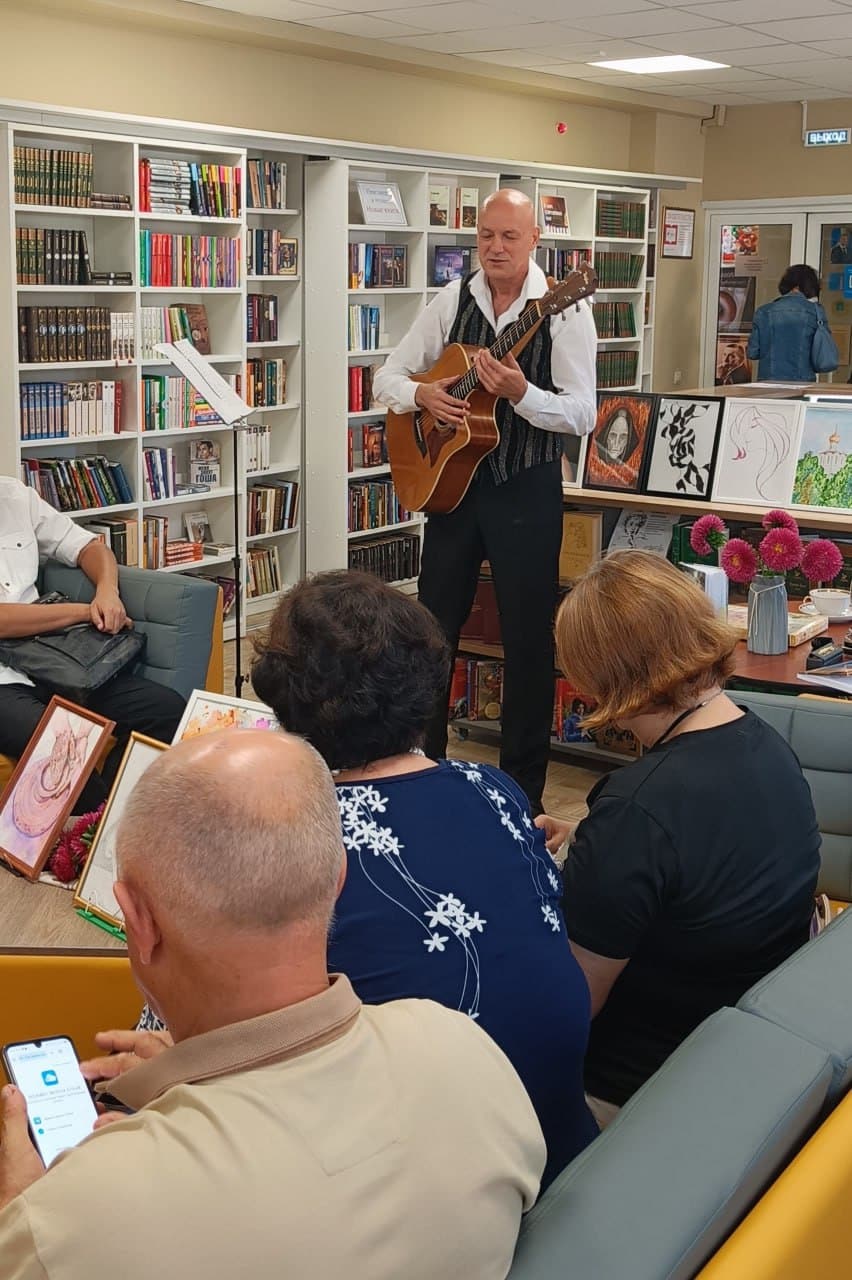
x=517, y=527
x=131, y=701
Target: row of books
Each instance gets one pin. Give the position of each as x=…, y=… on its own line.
x=268, y=253
x=617, y=368
x=367, y=445
x=461, y=212
x=618, y=270
x=452, y=262
x=614, y=319
x=182, y=551
x=360, y=387
x=47, y=255
x=261, y=317
x=67, y=410
x=266, y=382
x=364, y=327
x=52, y=175
x=560, y=262
x=171, y=324
x=77, y=484
x=258, y=447
x=570, y=706
x=272, y=507
x=196, y=262
x=155, y=536
x=620, y=219
x=184, y=187
x=263, y=572
x=392, y=559
x=170, y=403
x=374, y=504
x=158, y=474
x=54, y=335
x=267, y=184
x=378, y=266
x=120, y=534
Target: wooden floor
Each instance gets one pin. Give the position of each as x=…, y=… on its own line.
x=567, y=784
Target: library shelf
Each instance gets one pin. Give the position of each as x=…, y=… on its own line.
x=275, y=533
x=200, y=218
x=269, y=279
x=491, y=731
x=206, y=562
x=364, y=473
x=358, y=415
x=811, y=519
x=385, y=528
x=152, y=504
x=54, y=289
x=68, y=210
x=104, y=437
x=118, y=508
x=275, y=469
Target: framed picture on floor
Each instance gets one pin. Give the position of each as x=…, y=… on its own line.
x=758, y=451
x=94, y=891
x=617, y=447
x=68, y=743
x=206, y=712
x=684, y=443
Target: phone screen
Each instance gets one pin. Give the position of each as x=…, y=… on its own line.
x=60, y=1108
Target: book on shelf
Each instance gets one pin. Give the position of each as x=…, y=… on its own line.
x=197, y=526
x=582, y=533
x=113, y=201
x=570, y=706
x=554, y=215
x=187, y=187
x=476, y=690
x=272, y=507
x=439, y=205
x=393, y=558
x=219, y=548
x=558, y=262
x=617, y=270
x=120, y=534
x=467, y=207
x=56, y=335
x=199, y=328
x=182, y=551
x=266, y=382
x=155, y=535
x=263, y=572
x=614, y=319
x=452, y=262
x=364, y=327
x=53, y=175
x=77, y=484
x=261, y=317
x=170, y=403
x=158, y=473
x=67, y=410
x=205, y=463
x=360, y=387
x=171, y=324
x=258, y=447
x=378, y=266
x=229, y=594
x=269, y=253
x=267, y=184
x=197, y=262
x=367, y=445
x=800, y=628
x=617, y=368
x=618, y=219
x=52, y=255
x=374, y=504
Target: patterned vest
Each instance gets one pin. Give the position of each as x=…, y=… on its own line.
x=521, y=444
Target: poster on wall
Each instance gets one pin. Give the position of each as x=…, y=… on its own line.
x=732, y=364
x=736, y=302
x=738, y=241
x=678, y=233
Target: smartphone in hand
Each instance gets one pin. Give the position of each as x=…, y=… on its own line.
x=59, y=1105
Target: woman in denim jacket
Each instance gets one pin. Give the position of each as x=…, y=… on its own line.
x=783, y=331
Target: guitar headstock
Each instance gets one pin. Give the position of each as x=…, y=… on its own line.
x=579, y=284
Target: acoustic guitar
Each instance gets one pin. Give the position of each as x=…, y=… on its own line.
x=432, y=462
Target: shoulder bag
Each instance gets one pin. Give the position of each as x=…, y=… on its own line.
x=824, y=354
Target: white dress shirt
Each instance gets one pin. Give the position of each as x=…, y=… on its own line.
x=31, y=530
x=570, y=409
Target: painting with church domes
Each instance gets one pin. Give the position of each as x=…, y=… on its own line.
x=824, y=467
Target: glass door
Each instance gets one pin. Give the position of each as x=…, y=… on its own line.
x=746, y=259
x=829, y=252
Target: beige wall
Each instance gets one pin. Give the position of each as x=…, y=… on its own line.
x=758, y=153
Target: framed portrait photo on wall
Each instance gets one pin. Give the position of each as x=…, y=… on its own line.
x=68, y=743
x=617, y=447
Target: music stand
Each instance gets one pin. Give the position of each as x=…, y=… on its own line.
x=233, y=411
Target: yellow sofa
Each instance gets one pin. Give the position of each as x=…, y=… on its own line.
x=62, y=994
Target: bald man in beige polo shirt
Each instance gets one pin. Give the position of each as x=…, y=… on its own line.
x=290, y=1132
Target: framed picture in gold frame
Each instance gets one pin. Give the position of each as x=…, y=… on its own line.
x=68, y=743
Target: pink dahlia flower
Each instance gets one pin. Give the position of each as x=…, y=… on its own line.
x=781, y=549
x=739, y=560
x=821, y=560
x=777, y=519
x=701, y=538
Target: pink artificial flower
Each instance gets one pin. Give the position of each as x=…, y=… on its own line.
x=72, y=847
x=777, y=519
x=701, y=540
x=739, y=560
x=822, y=560
x=781, y=549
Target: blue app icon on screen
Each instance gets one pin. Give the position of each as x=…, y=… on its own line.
x=49, y=1077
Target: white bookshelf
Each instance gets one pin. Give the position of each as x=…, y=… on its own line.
x=649, y=305
x=113, y=238
x=335, y=223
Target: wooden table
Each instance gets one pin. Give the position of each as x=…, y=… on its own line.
x=41, y=918
x=779, y=671
x=772, y=390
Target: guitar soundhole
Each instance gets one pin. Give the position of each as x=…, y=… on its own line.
x=419, y=438
x=438, y=433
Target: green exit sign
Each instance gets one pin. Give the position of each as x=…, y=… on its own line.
x=827, y=138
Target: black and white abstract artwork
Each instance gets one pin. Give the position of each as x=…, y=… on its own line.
x=683, y=449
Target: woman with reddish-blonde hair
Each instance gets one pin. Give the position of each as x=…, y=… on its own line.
x=694, y=873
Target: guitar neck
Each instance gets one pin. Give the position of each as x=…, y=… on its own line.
x=510, y=336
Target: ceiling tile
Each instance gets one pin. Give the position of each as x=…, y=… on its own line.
x=719, y=40
x=523, y=58
x=461, y=15
x=367, y=25
x=529, y=36
x=765, y=55
x=802, y=29
x=595, y=51
x=568, y=10
x=824, y=71
x=644, y=24
x=283, y=10
x=831, y=48
x=749, y=12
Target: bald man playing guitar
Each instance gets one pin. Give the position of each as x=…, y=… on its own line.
x=511, y=514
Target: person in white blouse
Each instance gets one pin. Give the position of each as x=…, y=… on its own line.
x=32, y=531
x=512, y=513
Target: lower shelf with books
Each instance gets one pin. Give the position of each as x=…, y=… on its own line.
x=491, y=732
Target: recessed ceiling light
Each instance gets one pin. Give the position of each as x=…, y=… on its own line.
x=654, y=66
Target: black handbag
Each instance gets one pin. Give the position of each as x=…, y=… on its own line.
x=74, y=661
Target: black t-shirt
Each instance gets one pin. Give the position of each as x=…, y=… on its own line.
x=699, y=863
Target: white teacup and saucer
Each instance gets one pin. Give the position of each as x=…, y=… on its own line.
x=827, y=602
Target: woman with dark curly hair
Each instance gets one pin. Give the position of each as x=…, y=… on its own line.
x=450, y=894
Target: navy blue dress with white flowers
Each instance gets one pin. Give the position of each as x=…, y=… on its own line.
x=451, y=895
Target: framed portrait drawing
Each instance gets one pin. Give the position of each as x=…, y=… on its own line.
x=206, y=712
x=823, y=478
x=94, y=892
x=758, y=451
x=616, y=449
x=573, y=460
x=684, y=442
x=68, y=743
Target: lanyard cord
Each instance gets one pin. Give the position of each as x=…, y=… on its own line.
x=683, y=715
